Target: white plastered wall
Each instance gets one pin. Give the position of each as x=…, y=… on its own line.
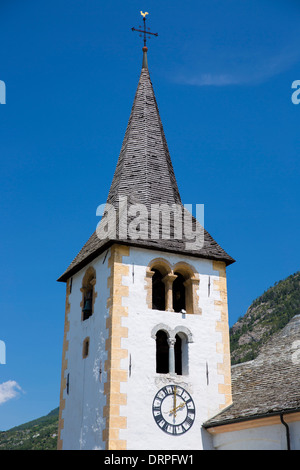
x=83, y=413
x=202, y=381
x=259, y=438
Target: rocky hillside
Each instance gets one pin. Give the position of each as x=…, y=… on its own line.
x=266, y=315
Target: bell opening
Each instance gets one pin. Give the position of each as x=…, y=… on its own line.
x=87, y=309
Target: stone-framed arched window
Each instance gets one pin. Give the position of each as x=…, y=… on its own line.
x=172, y=349
x=88, y=293
x=178, y=354
x=158, y=290
x=172, y=288
x=179, y=296
x=159, y=279
x=185, y=289
x=183, y=337
x=162, y=352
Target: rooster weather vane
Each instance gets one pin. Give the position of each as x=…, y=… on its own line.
x=145, y=31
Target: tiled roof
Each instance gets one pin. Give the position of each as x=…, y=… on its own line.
x=269, y=384
x=145, y=175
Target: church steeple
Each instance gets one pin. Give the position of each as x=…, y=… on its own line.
x=144, y=172
x=146, y=355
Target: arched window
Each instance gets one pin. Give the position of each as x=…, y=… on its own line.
x=186, y=289
x=179, y=303
x=172, y=349
x=88, y=302
x=88, y=293
x=158, y=285
x=162, y=352
x=158, y=291
x=172, y=288
x=178, y=355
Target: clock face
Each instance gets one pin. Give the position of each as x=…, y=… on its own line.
x=173, y=410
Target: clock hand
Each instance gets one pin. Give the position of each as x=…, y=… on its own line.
x=174, y=402
x=177, y=408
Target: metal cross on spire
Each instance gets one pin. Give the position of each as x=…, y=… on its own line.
x=145, y=31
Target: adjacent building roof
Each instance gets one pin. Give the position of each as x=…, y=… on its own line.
x=270, y=383
x=144, y=175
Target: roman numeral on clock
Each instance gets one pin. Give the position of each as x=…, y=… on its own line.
x=189, y=420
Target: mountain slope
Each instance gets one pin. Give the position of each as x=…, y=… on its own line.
x=39, y=434
x=266, y=315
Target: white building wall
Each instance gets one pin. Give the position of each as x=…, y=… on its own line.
x=295, y=435
x=83, y=413
x=142, y=432
x=259, y=438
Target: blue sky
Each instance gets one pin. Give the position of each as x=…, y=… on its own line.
x=222, y=73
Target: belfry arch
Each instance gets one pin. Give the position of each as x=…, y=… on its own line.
x=172, y=288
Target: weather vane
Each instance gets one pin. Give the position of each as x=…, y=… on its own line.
x=145, y=31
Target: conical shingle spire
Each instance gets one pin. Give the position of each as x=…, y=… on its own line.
x=144, y=176
x=144, y=171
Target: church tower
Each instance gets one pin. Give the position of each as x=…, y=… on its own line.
x=146, y=355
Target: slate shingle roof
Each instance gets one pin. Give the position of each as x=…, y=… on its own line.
x=270, y=384
x=145, y=175
x=144, y=170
